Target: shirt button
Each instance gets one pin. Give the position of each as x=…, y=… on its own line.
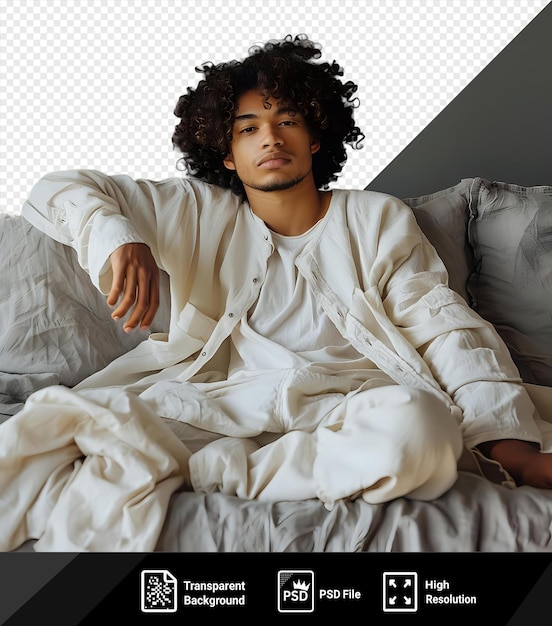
x=255, y=280
x=204, y=354
x=230, y=315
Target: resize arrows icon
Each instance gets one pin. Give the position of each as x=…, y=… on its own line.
x=400, y=591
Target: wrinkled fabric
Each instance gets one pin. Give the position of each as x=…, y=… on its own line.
x=54, y=321
x=474, y=516
x=79, y=476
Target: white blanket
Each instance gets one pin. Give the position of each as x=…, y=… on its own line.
x=88, y=479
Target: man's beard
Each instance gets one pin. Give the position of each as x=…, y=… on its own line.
x=278, y=185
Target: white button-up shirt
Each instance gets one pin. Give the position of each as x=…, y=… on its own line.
x=376, y=276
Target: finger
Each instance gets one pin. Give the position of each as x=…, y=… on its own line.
x=141, y=298
x=117, y=286
x=128, y=296
x=153, y=301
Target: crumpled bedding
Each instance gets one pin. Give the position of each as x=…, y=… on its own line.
x=52, y=319
x=16, y=388
x=475, y=515
x=78, y=476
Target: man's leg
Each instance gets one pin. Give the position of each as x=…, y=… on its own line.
x=393, y=441
x=380, y=443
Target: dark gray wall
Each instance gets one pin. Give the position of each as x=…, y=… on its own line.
x=499, y=127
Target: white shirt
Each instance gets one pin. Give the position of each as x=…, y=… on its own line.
x=287, y=327
x=378, y=279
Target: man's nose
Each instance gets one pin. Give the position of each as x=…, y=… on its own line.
x=271, y=137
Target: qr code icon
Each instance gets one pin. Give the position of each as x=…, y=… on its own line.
x=158, y=591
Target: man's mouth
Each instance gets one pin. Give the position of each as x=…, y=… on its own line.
x=274, y=160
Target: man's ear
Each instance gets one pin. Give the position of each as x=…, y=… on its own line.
x=229, y=162
x=315, y=146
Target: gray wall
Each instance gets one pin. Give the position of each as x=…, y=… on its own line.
x=499, y=127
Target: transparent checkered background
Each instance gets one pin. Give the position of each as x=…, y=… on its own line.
x=93, y=84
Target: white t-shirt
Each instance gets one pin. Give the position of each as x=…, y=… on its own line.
x=287, y=327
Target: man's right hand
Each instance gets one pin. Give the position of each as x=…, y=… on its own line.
x=135, y=283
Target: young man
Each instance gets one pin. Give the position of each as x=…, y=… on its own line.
x=314, y=350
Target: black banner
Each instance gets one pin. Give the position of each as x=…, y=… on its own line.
x=169, y=588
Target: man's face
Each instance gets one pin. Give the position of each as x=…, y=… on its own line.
x=271, y=148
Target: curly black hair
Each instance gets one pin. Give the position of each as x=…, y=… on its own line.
x=280, y=69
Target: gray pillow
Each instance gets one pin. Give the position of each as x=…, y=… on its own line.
x=510, y=231
x=443, y=218
x=52, y=319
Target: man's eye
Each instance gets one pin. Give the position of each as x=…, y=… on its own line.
x=288, y=123
x=247, y=129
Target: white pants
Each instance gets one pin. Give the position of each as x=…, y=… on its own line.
x=295, y=434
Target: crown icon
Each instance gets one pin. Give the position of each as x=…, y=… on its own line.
x=299, y=584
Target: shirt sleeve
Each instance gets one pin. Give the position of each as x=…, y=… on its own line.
x=95, y=214
x=464, y=352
